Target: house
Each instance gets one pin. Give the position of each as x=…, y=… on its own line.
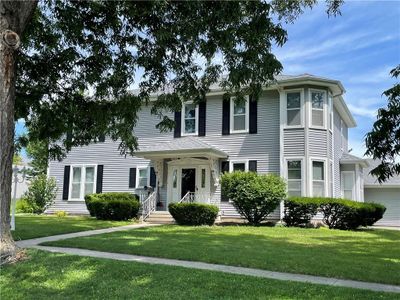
x=298, y=128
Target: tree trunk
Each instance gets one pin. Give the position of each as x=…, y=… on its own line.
x=14, y=15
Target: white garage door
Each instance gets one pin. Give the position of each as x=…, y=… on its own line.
x=390, y=197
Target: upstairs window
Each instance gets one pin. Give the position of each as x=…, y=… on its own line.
x=318, y=170
x=189, y=120
x=83, y=181
x=293, y=107
x=318, y=108
x=239, y=116
x=294, y=177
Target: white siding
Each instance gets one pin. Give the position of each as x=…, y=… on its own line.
x=294, y=142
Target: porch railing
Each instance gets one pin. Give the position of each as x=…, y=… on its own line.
x=191, y=197
x=148, y=205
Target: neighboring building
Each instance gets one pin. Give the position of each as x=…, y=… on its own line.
x=298, y=128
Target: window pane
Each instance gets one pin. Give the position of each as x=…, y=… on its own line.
x=318, y=170
x=348, y=195
x=142, y=181
x=89, y=188
x=294, y=174
x=348, y=181
x=293, y=117
x=190, y=126
x=174, y=179
x=317, y=99
x=239, y=167
x=142, y=172
x=294, y=193
x=76, y=177
x=239, y=109
x=318, y=189
x=293, y=100
x=190, y=111
x=294, y=169
x=89, y=174
x=239, y=122
x=76, y=191
x=294, y=185
x=318, y=117
x=203, y=178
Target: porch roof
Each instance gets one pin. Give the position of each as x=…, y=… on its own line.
x=347, y=158
x=181, y=147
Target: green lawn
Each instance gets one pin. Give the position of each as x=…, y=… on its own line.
x=59, y=276
x=34, y=226
x=370, y=255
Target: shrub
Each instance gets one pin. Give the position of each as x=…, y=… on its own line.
x=193, y=213
x=23, y=206
x=113, y=206
x=61, y=214
x=41, y=193
x=254, y=196
x=349, y=215
x=300, y=210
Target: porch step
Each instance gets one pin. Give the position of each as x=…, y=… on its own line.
x=228, y=211
x=160, y=217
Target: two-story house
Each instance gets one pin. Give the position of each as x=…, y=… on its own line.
x=298, y=129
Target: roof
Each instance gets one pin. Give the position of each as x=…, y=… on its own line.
x=372, y=181
x=348, y=158
x=184, y=145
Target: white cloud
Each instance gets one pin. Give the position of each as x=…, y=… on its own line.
x=363, y=111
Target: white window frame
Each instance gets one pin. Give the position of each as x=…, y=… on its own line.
x=82, y=182
x=242, y=161
x=138, y=168
x=303, y=172
x=311, y=175
x=196, y=118
x=353, y=192
x=232, y=124
x=324, y=105
x=301, y=91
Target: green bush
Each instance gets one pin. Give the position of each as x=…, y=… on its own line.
x=254, y=196
x=300, y=210
x=371, y=213
x=41, y=193
x=113, y=206
x=193, y=213
x=23, y=206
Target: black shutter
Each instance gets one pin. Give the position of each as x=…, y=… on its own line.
x=67, y=170
x=253, y=116
x=226, y=107
x=252, y=165
x=152, y=177
x=177, y=129
x=224, y=169
x=132, y=178
x=202, y=118
x=102, y=138
x=99, y=179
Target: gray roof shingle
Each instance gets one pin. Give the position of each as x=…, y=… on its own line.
x=371, y=180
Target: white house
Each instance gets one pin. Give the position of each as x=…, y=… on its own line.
x=298, y=128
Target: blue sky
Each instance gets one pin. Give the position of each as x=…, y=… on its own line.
x=359, y=48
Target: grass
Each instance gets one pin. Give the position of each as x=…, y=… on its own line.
x=59, y=276
x=34, y=226
x=369, y=255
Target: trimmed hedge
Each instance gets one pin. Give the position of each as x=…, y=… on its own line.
x=113, y=206
x=193, y=213
x=337, y=213
x=300, y=210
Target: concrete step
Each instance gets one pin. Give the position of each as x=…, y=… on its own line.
x=160, y=217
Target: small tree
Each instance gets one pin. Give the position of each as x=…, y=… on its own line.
x=255, y=196
x=41, y=193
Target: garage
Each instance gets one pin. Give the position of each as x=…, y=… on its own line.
x=388, y=196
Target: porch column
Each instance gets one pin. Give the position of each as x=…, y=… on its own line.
x=159, y=170
x=214, y=166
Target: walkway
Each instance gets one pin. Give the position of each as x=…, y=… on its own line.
x=34, y=243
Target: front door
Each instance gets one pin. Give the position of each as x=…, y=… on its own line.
x=188, y=183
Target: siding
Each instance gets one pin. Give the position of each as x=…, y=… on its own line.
x=263, y=147
x=317, y=143
x=337, y=152
x=294, y=142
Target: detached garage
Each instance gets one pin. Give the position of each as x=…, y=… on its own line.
x=387, y=193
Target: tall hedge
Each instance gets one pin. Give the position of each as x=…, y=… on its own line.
x=113, y=206
x=299, y=211
x=254, y=196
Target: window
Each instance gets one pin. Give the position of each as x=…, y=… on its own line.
x=203, y=178
x=189, y=120
x=293, y=107
x=318, y=170
x=239, y=116
x=294, y=177
x=317, y=104
x=348, y=185
x=174, y=178
x=83, y=181
x=142, y=177
x=239, y=166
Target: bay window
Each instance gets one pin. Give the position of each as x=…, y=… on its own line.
x=318, y=176
x=293, y=109
x=294, y=176
x=83, y=181
x=318, y=108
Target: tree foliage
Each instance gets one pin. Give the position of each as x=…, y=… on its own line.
x=383, y=141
